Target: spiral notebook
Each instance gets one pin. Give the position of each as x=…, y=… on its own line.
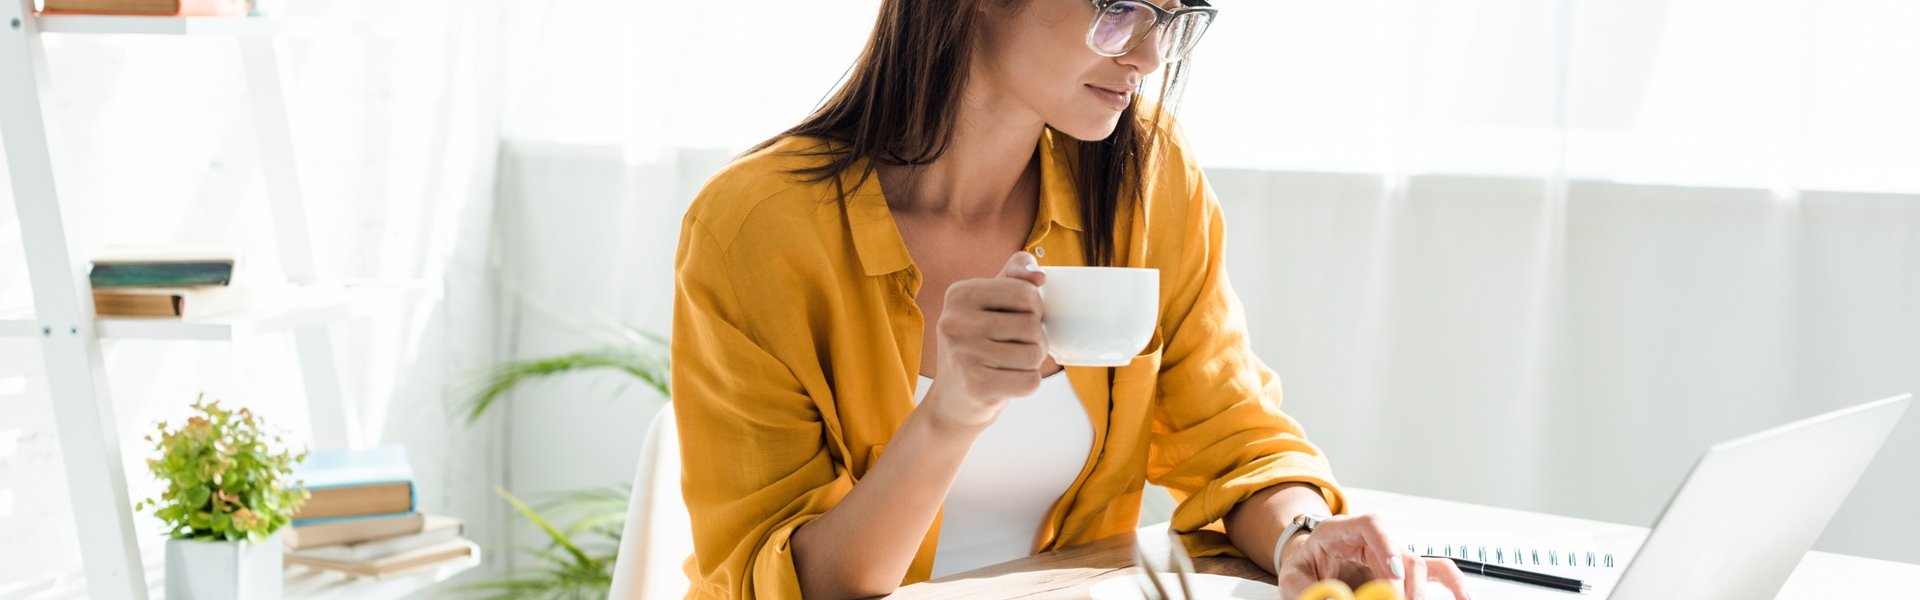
x=1568, y=555
x=1517, y=551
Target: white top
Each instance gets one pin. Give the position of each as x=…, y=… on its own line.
x=1016, y=471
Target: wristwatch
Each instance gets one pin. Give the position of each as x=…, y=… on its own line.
x=1303, y=523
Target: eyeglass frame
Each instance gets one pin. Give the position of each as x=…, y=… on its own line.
x=1161, y=18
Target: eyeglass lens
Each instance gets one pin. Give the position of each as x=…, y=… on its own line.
x=1123, y=25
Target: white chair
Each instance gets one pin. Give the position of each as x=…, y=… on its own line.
x=658, y=537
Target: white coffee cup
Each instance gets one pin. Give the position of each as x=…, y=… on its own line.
x=1098, y=316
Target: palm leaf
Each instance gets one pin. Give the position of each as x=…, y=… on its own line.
x=541, y=522
x=590, y=499
x=651, y=345
x=503, y=378
x=601, y=510
x=570, y=571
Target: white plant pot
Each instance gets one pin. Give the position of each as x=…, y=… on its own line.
x=223, y=570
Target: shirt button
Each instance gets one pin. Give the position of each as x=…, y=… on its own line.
x=1040, y=252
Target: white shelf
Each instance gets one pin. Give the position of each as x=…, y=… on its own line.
x=303, y=307
x=18, y=326
x=209, y=26
x=315, y=584
x=76, y=373
x=302, y=583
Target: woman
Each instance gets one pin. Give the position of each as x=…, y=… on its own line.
x=861, y=382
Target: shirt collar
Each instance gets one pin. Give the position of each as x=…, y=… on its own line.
x=877, y=239
x=1059, y=197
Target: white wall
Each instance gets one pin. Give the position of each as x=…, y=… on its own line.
x=1421, y=343
x=586, y=244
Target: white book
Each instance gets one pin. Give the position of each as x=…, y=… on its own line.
x=437, y=529
x=166, y=253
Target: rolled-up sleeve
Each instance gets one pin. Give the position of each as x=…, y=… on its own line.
x=1218, y=434
x=755, y=462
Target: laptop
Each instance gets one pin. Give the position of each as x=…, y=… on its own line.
x=1736, y=529
x=1753, y=506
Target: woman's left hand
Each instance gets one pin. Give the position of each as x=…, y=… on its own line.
x=1355, y=550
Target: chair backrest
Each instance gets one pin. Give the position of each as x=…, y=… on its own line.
x=658, y=537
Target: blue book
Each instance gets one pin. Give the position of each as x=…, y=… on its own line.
x=163, y=265
x=171, y=274
x=355, y=484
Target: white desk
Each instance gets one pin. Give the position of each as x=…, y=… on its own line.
x=1068, y=573
x=1821, y=575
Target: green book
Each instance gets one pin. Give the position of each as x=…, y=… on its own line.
x=161, y=274
x=163, y=265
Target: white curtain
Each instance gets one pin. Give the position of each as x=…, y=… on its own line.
x=1526, y=253
x=396, y=135
x=1540, y=254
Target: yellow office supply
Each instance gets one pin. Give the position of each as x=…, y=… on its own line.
x=1334, y=589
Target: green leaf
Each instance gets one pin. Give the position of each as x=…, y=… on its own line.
x=541, y=522
x=574, y=570
x=216, y=465
x=198, y=496
x=504, y=378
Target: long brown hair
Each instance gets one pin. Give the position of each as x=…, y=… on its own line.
x=902, y=96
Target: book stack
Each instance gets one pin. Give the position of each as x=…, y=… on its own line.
x=360, y=518
x=165, y=281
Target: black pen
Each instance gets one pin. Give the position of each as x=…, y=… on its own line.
x=1511, y=574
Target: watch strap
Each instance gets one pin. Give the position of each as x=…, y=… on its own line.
x=1303, y=523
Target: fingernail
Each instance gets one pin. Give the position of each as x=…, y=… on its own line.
x=1399, y=572
x=1034, y=268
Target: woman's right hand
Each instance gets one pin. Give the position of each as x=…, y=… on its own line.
x=991, y=346
x=1355, y=549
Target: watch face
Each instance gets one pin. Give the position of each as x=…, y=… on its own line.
x=1309, y=522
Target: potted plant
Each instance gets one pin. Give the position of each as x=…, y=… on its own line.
x=228, y=494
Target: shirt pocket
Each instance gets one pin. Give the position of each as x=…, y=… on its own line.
x=1144, y=366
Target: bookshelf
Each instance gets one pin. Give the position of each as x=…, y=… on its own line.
x=301, y=583
x=114, y=563
x=305, y=306
x=213, y=26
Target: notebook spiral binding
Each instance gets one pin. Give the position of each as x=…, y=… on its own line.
x=1516, y=556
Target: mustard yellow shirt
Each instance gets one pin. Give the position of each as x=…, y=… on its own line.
x=796, y=346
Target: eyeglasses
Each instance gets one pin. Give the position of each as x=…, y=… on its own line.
x=1120, y=25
